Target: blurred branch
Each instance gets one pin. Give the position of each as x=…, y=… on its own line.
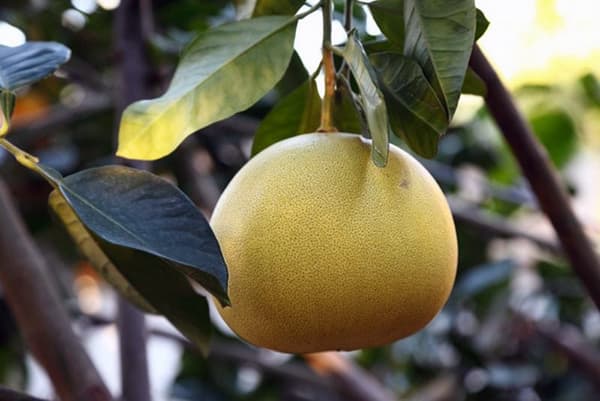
x=133, y=69
x=538, y=170
x=42, y=319
x=352, y=381
x=569, y=341
x=26, y=132
x=11, y=395
x=486, y=223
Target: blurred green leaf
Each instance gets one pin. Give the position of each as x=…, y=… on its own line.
x=297, y=113
x=257, y=8
x=30, y=62
x=473, y=84
x=389, y=15
x=482, y=278
x=222, y=72
x=440, y=36
x=372, y=101
x=557, y=131
x=416, y=114
x=591, y=86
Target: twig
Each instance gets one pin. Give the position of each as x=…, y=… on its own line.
x=7, y=394
x=544, y=181
x=41, y=317
x=129, y=41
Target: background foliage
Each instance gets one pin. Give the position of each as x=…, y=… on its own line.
x=517, y=321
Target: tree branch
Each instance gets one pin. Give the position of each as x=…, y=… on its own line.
x=537, y=168
x=41, y=317
x=7, y=394
x=133, y=65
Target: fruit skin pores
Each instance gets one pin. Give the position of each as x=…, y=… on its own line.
x=326, y=251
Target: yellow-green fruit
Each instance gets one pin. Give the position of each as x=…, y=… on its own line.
x=326, y=251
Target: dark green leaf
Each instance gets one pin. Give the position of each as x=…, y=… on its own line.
x=30, y=62
x=473, y=84
x=378, y=46
x=294, y=76
x=96, y=256
x=416, y=113
x=257, y=8
x=135, y=209
x=223, y=71
x=372, y=101
x=297, y=113
x=481, y=24
x=440, y=36
x=389, y=15
x=168, y=291
x=346, y=113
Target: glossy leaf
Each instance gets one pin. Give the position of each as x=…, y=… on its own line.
x=96, y=256
x=481, y=24
x=372, y=101
x=257, y=8
x=223, y=71
x=389, y=16
x=297, y=113
x=135, y=209
x=473, y=84
x=417, y=115
x=30, y=62
x=440, y=36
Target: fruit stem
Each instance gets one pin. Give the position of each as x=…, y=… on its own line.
x=329, y=70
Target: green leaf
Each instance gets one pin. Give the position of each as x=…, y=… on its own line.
x=297, y=113
x=389, y=16
x=7, y=105
x=417, y=115
x=30, y=62
x=90, y=249
x=481, y=24
x=378, y=46
x=137, y=210
x=473, y=84
x=257, y=8
x=223, y=71
x=440, y=36
x=372, y=101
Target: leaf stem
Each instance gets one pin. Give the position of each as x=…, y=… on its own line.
x=27, y=160
x=329, y=69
